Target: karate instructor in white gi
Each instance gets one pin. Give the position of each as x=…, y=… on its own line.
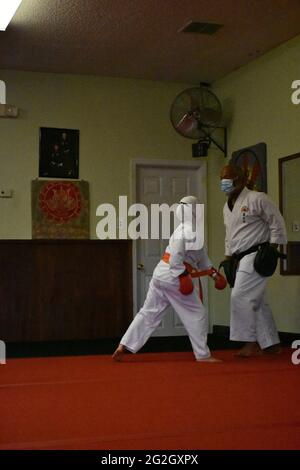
x=250, y=218
x=172, y=284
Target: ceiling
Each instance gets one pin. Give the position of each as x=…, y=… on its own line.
x=140, y=38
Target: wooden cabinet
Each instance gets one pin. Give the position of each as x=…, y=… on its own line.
x=64, y=289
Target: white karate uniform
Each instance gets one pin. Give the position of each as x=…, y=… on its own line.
x=164, y=291
x=254, y=219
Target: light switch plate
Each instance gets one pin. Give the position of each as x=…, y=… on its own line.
x=6, y=193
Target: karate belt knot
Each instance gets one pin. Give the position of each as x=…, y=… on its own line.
x=193, y=272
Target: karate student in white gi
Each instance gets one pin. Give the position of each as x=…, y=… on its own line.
x=172, y=284
x=250, y=218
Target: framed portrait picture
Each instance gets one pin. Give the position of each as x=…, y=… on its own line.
x=59, y=153
x=254, y=162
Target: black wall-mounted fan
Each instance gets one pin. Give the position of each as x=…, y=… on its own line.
x=195, y=114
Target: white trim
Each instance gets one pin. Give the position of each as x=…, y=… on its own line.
x=166, y=163
x=140, y=162
x=2, y=92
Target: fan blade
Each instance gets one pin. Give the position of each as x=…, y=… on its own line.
x=187, y=124
x=210, y=116
x=194, y=101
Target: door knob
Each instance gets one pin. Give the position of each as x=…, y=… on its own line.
x=140, y=267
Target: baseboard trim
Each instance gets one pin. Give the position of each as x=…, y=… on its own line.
x=219, y=339
x=285, y=338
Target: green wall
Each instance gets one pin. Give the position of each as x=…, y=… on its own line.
x=258, y=108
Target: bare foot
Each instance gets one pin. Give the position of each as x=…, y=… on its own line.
x=209, y=359
x=119, y=353
x=250, y=350
x=274, y=349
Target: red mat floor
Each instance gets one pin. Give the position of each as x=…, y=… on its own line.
x=151, y=401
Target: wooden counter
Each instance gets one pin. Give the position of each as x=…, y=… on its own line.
x=64, y=289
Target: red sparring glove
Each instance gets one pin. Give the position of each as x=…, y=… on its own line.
x=186, y=286
x=220, y=281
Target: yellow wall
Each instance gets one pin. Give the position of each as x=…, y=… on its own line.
x=291, y=196
x=258, y=99
x=121, y=119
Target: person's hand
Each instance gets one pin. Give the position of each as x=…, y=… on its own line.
x=220, y=281
x=186, y=286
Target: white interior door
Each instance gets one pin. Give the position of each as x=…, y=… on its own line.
x=158, y=185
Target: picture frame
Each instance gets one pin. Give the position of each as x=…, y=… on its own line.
x=59, y=153
x=60, y=209
x=253, y=160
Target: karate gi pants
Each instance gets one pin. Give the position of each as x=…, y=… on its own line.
x=251, y=316
x=189, y=308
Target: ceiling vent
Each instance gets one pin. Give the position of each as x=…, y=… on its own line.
x=200, y=28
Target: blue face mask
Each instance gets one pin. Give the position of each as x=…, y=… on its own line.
x=227, y=185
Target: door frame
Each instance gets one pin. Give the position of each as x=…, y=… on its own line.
x=135, y=164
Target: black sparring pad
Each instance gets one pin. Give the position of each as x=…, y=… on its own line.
x=266, y=258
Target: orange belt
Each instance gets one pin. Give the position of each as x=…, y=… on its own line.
x=193, y=272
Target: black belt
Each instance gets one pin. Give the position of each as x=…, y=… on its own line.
x=230, y=266
x=253, y=249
